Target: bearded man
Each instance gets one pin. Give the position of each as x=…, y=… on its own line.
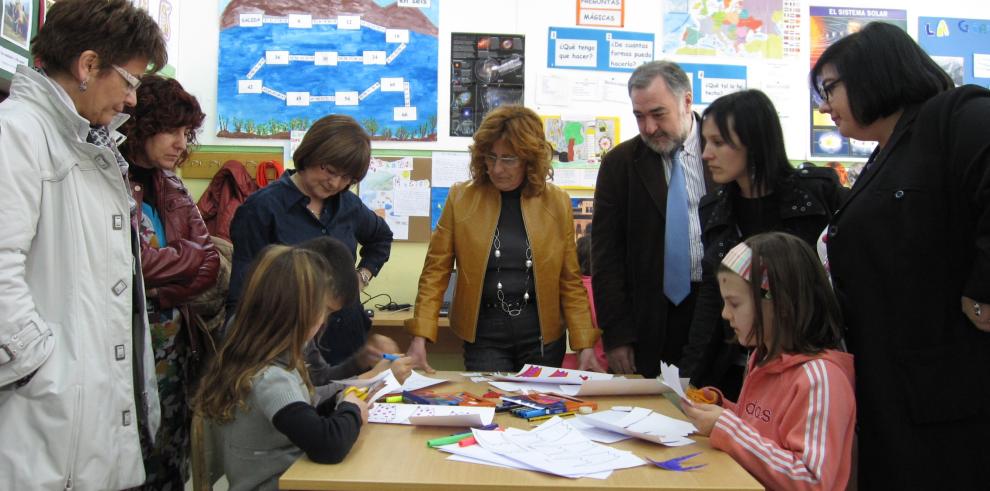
x=646, y=245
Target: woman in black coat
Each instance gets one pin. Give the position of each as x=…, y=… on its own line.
x=909, y=253
x=760, y=192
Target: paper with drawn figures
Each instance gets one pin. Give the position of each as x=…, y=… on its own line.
x=617, y=386
x=644, y=424
x=415, y=381
x=552, y=375
x=556, y=447
x=427, y=415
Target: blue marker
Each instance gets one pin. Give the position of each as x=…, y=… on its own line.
x=390, y=356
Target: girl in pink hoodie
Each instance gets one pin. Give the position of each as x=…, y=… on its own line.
x=793, y=425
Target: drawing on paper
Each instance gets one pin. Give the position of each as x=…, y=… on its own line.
x=283, y=64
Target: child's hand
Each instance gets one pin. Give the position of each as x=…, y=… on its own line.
x=402, y=368
x=703, y=416
x=371, y=353
x=363, y=406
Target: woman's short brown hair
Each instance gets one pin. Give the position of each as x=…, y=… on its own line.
x=336, y=141
x=115, y=29
x=522, y=129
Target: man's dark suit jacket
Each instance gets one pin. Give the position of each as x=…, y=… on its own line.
x=627, y=246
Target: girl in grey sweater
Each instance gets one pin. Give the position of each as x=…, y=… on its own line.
x=258, y=391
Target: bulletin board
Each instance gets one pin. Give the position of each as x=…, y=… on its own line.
x=418, y=226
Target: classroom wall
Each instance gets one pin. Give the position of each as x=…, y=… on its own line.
x=196, y=68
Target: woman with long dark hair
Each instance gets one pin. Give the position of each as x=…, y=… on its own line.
x=760, y=192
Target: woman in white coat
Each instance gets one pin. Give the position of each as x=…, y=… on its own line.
x=74, y=370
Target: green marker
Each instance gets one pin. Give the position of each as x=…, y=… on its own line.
x=447, y=440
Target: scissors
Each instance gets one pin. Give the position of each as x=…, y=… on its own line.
x=699, y=395
x=360, y=392
x=364, y=392
x=674, y=464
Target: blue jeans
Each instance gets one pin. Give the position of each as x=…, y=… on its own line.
x=504, y=343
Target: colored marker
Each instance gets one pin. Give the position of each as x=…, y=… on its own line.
x=548, y=416
x=447, y=440
x=390, y=356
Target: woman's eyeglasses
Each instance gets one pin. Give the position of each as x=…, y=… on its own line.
x=824, y=93
x=506, y=160
x=132, y=82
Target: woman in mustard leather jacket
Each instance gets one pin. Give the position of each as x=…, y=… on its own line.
x=512, y=235
x=178, y=260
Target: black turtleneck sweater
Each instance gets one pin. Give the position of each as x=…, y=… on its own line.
x=510, y=267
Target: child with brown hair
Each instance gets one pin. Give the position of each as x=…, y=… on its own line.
x=793, y=425
x=258, y=389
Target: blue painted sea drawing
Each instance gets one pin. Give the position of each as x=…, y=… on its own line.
x=284, y=64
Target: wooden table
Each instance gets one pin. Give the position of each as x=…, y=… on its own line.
x=391, y=457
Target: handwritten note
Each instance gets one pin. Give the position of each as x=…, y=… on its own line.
x=412, y=198
x=450, y=168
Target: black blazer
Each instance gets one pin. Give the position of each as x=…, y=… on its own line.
x=912, y=238
x=806, y=199
x=627, y=243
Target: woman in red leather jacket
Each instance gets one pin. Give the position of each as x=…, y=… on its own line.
x=178, y=260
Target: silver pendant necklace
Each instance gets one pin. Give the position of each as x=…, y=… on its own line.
x=497, y=244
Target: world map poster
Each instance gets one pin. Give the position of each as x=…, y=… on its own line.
x=767, y=29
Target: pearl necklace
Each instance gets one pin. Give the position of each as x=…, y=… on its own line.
x=497, y=244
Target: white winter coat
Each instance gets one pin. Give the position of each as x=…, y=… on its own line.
x=66, y=303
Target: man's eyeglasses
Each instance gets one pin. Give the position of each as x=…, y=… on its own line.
x=132, y=82
x=506, y=160
x=824, y=92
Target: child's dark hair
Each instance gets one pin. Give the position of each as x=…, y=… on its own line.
x=344, y=285
x=803, y=301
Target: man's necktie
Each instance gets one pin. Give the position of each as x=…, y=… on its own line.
x=677, y=243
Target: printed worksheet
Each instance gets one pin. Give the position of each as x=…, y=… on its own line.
x=556, y=448
x=426, y=415
x=644, y=424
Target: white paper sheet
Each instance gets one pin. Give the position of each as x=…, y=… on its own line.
x=427, y=415
x=981, y=65
x=412, y=198
x=524, y=387
x=450, y=167
x=552, y=375
x=415, y=381
x=671, y=376
x=596, y=434
x=617, y=386
x=557, y=448
x=477, y=455
x=644, y=424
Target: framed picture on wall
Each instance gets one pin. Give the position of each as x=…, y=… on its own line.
x=18, y=16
